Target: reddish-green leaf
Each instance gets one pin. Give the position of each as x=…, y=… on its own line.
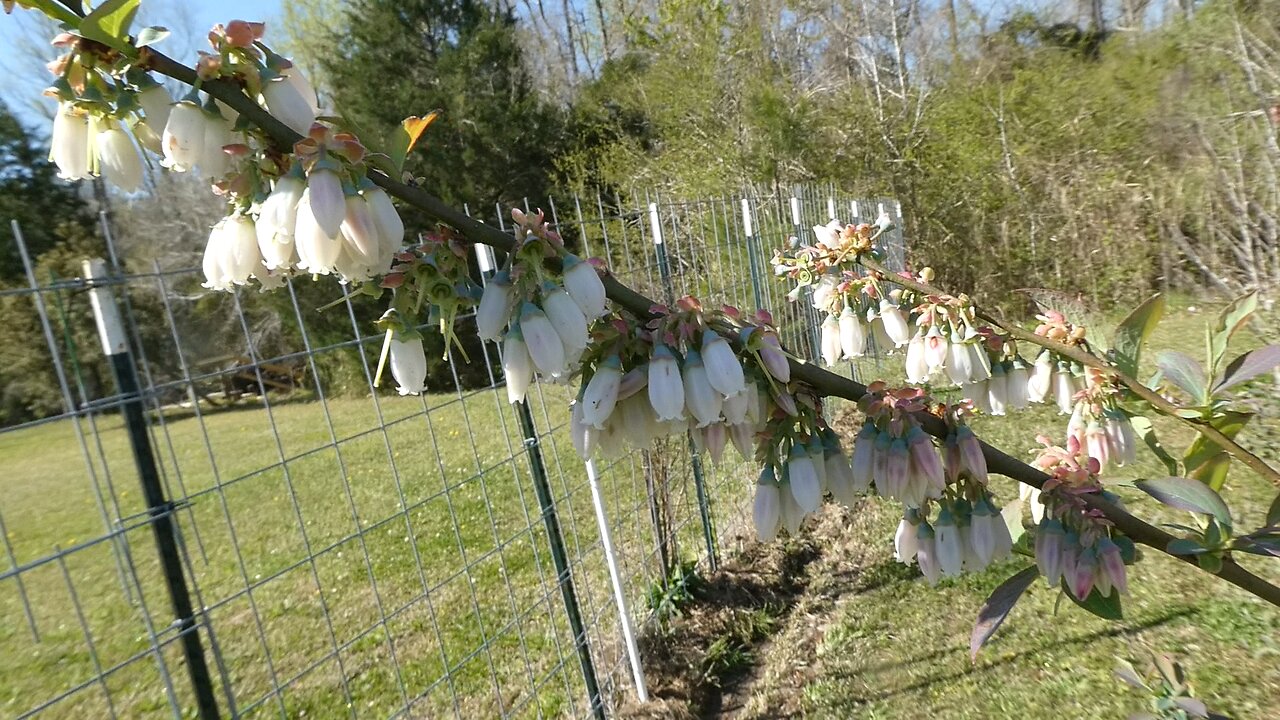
x=1187, y=494
x=1248, y=366
x=1183, y=370
x=1226, y=325
x=998, y=606
x=1133, y=331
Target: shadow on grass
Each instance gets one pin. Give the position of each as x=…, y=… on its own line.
x=1008, y=659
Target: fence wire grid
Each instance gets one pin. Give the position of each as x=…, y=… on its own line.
x=346, y=552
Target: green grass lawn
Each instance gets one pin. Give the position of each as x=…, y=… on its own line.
x=397, y=566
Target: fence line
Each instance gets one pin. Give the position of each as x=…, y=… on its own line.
x=346, y=552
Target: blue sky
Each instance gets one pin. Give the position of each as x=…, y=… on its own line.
x=22, y=76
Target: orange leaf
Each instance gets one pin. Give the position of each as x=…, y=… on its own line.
x=415, y=126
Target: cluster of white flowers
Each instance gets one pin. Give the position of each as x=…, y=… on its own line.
x=85, y=144
x=810, y=470
x=964, y=537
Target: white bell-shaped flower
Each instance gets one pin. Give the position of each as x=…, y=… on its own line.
x=183, y=138
x=998, y=390
x=666, y=387
x=818, y=456
x=830, y=341
x=840, y=478
x=853, y=337
x=792, y=514
x=742, y=435
x=1064, y=389
x=583, y=284
x=948, y=544
x=958, y=360
x=935, y=349
x=1017, y=380
x=863, y=462
x=299, y=80
x=284, y=100
x=277, y=220
x=927, y=553
x=601, y=394
x=980, y=360
x=917, y=365
x=803, y=477
x=584, y=436
x=544, y=344
x=766, y=510
x=905, y=540
x=360, y=242
x=214, y=162
x=735, y=407
x=569, y=322
x=318, y=251
x=724, y=370
x=639, y=424
x=328, y=202
x=516, y=365
x=69, y=145
x=231, y=255
x=895, y=323
x=494, y=310
x=156, y=104
x=703, y=400
x=714, y=439
x=118, y=159
x=385, y=216
x=408, y=362
x=1040, y=384
x=212, y=262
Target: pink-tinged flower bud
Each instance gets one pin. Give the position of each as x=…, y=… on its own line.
x=925, y=460
x=831, y=341
x=327, y=201
x=583, y=284
x=317, y=251
x=953, y=458
x=702, y=400
x=156, y=105
x=897, y=469
x=935, y=349
x=495, y=308
x=840, y=477
x=183, y=137
x=666, y=388
x=971, y=449
x=853, y=337
x=545, y=348
x=917, y=366
x=601, y=394
x=787, y=403
x=818, y=456
x=118, y=159
x=1096, y=443
x=976, y=393
x=958, y=361
x=905, y=541
x=1070, y=555
x=1121, y=437
x=408, y=363
x=584, y=436
x=1018, y=378
x=735, y=407
x=635, y=380
x=1064, y=390
x=880, y=463
x=516, y=365
x=1004, y=541
x=714, y=438
x=895, y=323
x=1076, y=425
x=774, y=360
x=926, y=554
x=1111, y=563
x=742, y=436
x=569, y=323
x=277, y=222
x=1048, y=548
x=390, y=226
x=948, y=544
x=724, y=370
x=288, y=105
x=863, y=458
x=803, y=477
x=1083, y=578
x=766, y=511
x=997, y=390
x=1041, y=380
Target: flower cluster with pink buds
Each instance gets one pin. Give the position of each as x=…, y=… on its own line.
x=542, y=322
x=803, y=461
x=1075, y=545
x=1100, y=426
x=675, y=373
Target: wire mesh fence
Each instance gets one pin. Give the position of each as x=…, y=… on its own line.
x=227, y=518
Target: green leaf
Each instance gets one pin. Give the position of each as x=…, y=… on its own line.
x=1248, y=366
x=1142, y=426
x=1133, y=331
x=998, y=606
x=1106, y=607
x=404, y=137
x=109, y=23
x=1226, y=325
x=1185, y=372
x=151, y=35
x=1273, y=513
x=1185, y=546
x=1187, y=494
x=57, y=11
x=1205, y=460
x=1210, y=562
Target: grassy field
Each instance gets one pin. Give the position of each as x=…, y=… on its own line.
x=871, y=639
x=401, y=565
